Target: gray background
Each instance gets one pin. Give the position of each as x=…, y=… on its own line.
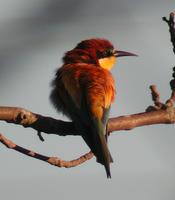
x=33, y=36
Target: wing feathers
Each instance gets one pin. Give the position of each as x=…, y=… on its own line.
x=84, y=93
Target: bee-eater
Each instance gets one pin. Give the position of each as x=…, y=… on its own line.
x=84, y=89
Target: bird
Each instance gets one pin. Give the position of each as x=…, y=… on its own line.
x=83, y=89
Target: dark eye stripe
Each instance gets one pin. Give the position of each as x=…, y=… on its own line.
x=107, y=53
x=100, y=54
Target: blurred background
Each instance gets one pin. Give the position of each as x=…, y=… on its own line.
x=33, y=38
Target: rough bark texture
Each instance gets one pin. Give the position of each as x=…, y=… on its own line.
x=160, y=113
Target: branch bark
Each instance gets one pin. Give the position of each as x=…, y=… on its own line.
x=159, y=113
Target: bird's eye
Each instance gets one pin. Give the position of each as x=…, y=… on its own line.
x=106, y=53
x=109, y=52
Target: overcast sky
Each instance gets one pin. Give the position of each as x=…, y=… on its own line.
x=33, y=38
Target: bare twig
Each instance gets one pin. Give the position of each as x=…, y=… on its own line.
x=156, y=99
x=171, y=25
x=51, y=160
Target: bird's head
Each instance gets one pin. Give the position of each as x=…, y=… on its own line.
x=96, y=51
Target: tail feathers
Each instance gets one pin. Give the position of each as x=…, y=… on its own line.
x=108, y=172
x=96, y=140
x=102, y=153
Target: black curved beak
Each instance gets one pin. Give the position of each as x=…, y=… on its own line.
x=118, y=53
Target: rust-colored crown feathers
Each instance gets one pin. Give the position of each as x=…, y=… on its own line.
x=97, y=43
x=86, y=51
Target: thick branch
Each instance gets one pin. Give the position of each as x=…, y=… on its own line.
x=142, y=119
x=52, y=126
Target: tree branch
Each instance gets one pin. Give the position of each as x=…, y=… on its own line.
x=52, y=126
x=51, y=160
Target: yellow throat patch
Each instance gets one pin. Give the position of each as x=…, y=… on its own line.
x=108, y=62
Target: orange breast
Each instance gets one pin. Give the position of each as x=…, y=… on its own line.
x=97, y=83
x=102, y=92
